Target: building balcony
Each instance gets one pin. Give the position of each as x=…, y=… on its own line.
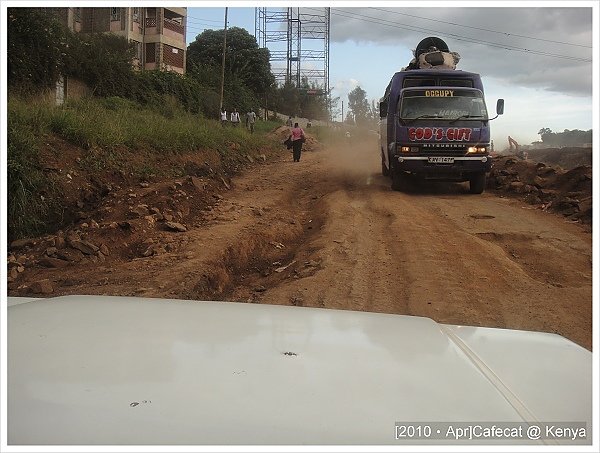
x=173, y=26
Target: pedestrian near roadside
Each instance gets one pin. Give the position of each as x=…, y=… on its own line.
x=297, y=140
x=250, y=120
x=235, y=118
x=289, y=122
x=223, y=117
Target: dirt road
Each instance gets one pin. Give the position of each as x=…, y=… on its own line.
x=328, y=232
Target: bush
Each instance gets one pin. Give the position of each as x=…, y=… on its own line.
x=102, y=61
x=30, y=193
x=153, y=87
x=117, y=103
x=36, y=46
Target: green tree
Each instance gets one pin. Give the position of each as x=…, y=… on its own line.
x=36, y=47
x=286, y=99
x=313, y=101
x=565, y=138
x=358, y=105
x=245, y=62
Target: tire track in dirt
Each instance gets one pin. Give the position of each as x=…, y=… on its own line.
x=262, y=221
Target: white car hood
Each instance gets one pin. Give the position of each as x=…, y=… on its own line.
x=118, y=370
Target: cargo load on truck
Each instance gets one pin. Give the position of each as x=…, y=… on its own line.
x=433, y=53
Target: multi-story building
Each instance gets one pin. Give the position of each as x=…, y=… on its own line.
x=157, y=33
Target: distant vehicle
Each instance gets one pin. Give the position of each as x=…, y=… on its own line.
x=434, y=121
x=519, y=152
x=105, y=370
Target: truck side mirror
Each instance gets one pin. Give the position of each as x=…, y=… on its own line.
x=500, y=107
x=383, y=106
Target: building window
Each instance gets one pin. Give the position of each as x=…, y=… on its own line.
x=138, y=49
x=115, y=14
x=136, y=14
x=151, y=52
x=172, y=56
x=77, y=14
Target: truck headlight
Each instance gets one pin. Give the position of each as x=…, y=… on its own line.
x=476, y=149
x=405, y=149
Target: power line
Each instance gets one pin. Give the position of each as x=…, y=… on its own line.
x=213, y=26
x=392, y=24
x=205, y=20
x=197, y=28
x=482, y=29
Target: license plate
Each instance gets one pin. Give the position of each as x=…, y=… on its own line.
x=440, y=160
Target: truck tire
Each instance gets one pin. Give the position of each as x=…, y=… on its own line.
x=477, y=183
x=384, y=170
x=398, y=180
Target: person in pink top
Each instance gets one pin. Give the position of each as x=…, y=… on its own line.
x=297, y=140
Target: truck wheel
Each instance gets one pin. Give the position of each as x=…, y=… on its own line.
x=398, y=180
x=384, y=170
x=477, y=183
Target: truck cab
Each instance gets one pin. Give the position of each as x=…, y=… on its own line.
x=435, y=125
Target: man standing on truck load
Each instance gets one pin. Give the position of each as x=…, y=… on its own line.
x=297, y=140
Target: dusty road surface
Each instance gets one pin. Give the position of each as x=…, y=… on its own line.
x=329, y=232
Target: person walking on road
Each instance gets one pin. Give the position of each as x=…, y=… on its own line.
x=223, y=117
x=235, y=118
x=297, y=141
x=250, y=120
x=288, y=123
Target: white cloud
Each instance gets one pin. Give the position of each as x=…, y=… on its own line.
x=500, y=42
x=343, y=86
x=527, y=110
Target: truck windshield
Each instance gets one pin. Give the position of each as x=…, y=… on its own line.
x=442, y=104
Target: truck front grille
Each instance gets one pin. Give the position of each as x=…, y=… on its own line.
x=443, y=151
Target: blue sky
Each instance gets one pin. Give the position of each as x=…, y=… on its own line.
x=540, y=91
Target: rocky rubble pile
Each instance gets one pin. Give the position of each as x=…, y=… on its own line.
x=136, y=222
x=52, y=251
x=550, y=188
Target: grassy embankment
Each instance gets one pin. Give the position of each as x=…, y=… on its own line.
x=103, y=129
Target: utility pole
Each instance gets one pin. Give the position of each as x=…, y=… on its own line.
x=266, y=109
x=223, y=63
x=342, y=112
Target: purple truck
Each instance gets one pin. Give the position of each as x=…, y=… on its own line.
x=434, y=121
